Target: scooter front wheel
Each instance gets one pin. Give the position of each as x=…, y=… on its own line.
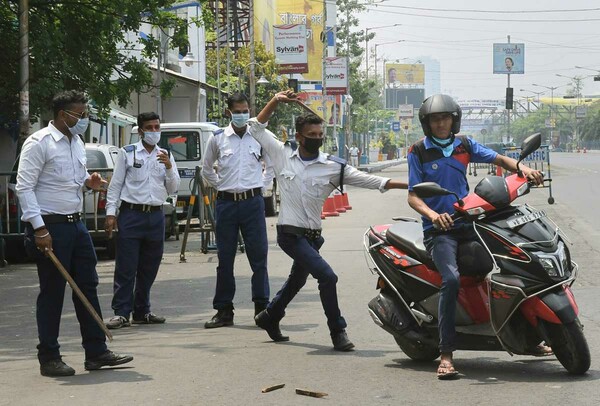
x=569, y=346
x=417, y=351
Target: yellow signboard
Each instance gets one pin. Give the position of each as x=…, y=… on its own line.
x=333, y=105
x=310, y=13
x=264, y=19
x=397, y=74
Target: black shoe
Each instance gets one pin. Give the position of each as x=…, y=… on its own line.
x=108, y=359
x=341, y=341
x=148, y=318
x=224, y=317
x=56, y=367
x=259, y=307
x=118, y=322
x=264, y=321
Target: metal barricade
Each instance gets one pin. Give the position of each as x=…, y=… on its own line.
x=539, y=160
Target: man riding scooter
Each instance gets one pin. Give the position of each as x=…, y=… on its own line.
x=443, y=157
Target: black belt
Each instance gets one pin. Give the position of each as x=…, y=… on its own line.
x=61, y=218
x=305, y=232
x=146, y=208
x=257, y=191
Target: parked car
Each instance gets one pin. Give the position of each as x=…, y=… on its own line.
x=100, y=158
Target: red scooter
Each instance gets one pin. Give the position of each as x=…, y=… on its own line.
x=515, y=279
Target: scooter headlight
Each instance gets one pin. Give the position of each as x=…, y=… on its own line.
x=549, y=266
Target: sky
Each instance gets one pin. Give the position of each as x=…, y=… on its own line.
x=460, y=34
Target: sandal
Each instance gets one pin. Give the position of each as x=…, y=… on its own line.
x=446, y=371
x=541, y=350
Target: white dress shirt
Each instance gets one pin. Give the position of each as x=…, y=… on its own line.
x=150, y=183
x=239, y=166
x=51, y=175
x=304, y=185
x=353, y=151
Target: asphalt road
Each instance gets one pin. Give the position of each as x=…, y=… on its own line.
x=181, y=363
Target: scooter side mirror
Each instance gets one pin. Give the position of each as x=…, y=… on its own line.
x=529, y=145
x=432, y=189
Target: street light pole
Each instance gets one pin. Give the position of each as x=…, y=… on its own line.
x=552, y=120
x=366, y=136
x=23, y=70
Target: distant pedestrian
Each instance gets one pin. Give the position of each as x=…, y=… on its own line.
x=52, y=173
x=144, y=176
x=239, y=182
x=307, y=177
x=354, y=155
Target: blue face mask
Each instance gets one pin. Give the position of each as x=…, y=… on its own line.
x=80, y=126
x=239, y=119
x=446, y=149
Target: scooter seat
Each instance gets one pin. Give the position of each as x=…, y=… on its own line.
x=408, y=237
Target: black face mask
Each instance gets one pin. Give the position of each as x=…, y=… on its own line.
x=312, y=145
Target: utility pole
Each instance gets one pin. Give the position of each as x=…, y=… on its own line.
x=24, y=70
x=252, y=78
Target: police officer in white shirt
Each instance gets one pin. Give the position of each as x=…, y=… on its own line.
x=143, y=178
x=239, y=180
x=50, y=180
x=306, y=178
x=353, y=155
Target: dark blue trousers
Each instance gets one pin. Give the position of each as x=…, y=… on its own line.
x=307, y=261
x=140, y=243
x=443, y=248
x=247, y=216
x=73, y=247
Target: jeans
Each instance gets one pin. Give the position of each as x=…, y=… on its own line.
x=247, y=216
x=443, y=247
x=72, y=245
x=140, y=243
x=307, y=261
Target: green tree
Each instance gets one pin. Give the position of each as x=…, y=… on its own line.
x=236, y=79
x=81, y=45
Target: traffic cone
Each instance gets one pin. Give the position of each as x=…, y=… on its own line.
x=498, y=170
x=345, y=200
x=329, y=208
x=339, y=204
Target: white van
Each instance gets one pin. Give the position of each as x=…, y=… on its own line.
x=187, y=143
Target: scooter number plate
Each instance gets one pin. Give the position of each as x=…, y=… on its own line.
x=525, y=219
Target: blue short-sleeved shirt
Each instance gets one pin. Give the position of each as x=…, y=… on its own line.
x=449, y=173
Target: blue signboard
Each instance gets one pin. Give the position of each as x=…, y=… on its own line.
x=509, y=58
x=396, y=126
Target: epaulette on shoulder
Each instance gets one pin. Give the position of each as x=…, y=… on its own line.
x=292, y=144
x=129, y=148
x=219, y=131
x=337, y=159
x=39, y=135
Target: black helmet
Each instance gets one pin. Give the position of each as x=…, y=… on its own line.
x=439, y=103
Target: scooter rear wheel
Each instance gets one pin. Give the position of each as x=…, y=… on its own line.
x=569, y=346
x=416, y=351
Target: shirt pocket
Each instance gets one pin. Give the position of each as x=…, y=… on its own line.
x=317, y=187
x=63, y=166
x=254, y=152
x=159, y=171
x=80, y=169
x=136, y=174
x=286, y=179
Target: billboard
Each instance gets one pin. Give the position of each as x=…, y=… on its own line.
x=333, y=103
x=290, y=48
x=264, y=18
x=336, y=75
x=310, y=13
x=509, y=58
x=397, y=74
x=394, y=98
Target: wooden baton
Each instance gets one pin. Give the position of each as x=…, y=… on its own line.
x=79, y=293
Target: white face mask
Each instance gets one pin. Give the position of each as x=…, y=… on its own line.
x=151, y=138
x=80, y=126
